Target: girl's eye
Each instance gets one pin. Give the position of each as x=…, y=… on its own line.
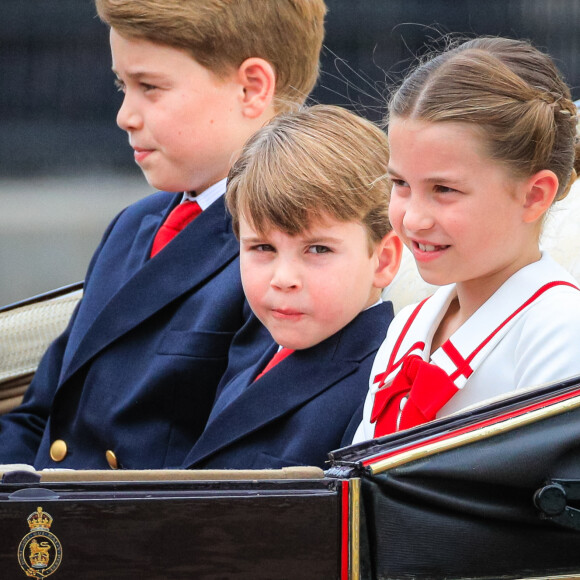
x=400, y=183
x=146, y=87
x=120, y=85
x=317, y=249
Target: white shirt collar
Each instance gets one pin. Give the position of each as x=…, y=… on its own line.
x=207, y=197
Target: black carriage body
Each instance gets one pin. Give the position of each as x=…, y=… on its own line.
x=159, y=530
x=488, y=494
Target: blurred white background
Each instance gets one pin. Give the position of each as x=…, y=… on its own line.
x=50, y=227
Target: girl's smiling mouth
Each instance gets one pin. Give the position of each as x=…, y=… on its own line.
x=429, y=247
x=423, y=252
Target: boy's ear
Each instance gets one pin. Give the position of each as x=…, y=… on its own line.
x=540, y=191
x=389, y=252
x=258, y=80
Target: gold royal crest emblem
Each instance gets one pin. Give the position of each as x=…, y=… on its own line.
x=39, y=552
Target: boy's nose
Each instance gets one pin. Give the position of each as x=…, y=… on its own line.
x=127, y=117
x=285, y=277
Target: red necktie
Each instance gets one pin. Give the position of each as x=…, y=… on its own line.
x=427, y=388
x=176, y=221
x=279, y=356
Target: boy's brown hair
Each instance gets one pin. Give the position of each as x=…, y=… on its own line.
x=316, y=162
x=222, y=34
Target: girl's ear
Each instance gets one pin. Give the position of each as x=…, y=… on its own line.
x=258, y=81
x=389, y=251
x=541, y=189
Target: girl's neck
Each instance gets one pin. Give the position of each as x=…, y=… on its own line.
x=448, y=325
x=471, y=295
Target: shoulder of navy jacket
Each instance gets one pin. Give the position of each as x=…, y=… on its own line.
x=369, y=327
x=156, y=205
x=156, y=201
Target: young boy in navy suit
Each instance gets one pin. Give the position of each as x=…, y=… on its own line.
x=131, y=381
x=309, y=199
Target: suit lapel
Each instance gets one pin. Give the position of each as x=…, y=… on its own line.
x=292, y=382
x=208, y=244
x=133, y=253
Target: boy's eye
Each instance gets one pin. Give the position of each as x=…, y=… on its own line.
x=317, y=249
x=147, y=87
x=120, y=85
x=443, y=189
x=263, y=248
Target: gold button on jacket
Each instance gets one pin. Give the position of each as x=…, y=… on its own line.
x=58, y=450
x=111, y=459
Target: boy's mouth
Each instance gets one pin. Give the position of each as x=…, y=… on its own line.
x=286, y=313
x=140, y=154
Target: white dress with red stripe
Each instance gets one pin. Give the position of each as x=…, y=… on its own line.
x=525, y=335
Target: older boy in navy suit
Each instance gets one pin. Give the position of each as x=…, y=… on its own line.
x=309, y=199
x=131, y=381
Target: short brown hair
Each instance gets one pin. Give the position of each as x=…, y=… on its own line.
x=222, y=34
x=320, y=161
x=511, y=91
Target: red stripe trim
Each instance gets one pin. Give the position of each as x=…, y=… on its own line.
x=402, y=335
x=345, y=516
x=474, y=427
x=382, y=377
x=417, y=346
x=536, y=295
x=462, y=365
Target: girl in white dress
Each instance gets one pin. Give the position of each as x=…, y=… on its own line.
x=482, y=143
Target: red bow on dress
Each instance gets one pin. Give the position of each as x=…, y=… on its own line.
x=427, y=388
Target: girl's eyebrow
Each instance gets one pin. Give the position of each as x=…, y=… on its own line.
x=432, y=180
x=392, y=171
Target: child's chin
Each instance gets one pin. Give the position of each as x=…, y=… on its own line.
x=298, y=343
x=159, y=183
x=155, y=183
x=432, y=278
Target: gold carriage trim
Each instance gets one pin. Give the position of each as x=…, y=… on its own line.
x=354, y=548
x=502, y=426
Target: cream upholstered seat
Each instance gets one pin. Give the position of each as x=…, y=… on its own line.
x=560, y=238
x=26, y=330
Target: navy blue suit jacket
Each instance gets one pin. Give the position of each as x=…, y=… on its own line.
x=137, y=368
x=299, y=410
